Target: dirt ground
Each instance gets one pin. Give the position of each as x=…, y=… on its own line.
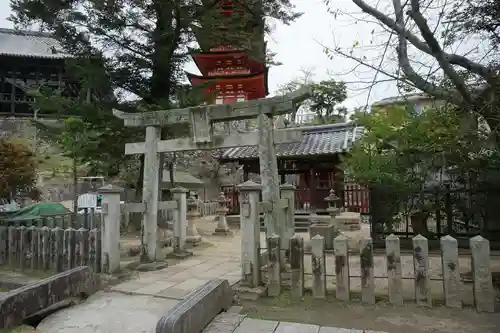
x=380, y=317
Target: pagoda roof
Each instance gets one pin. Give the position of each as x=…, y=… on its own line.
x=32, y=44
x=203, y=60
x=235, y=79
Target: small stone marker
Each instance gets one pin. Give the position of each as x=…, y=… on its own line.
x=451, y=272
x=288, y=193
x=341, y=247
x=318, y=266
x=394, y=270
x=111, y=213
x=367, y=276
x=297, y=265
x=484, y=295
x=421, y=270
x=180, y=222
x=274, y=262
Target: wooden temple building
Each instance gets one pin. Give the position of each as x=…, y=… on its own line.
x=312, y=165
x=231, y=73
x=28, y=60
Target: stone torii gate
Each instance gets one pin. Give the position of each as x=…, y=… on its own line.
x=201, y=119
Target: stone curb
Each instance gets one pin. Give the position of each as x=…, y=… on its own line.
x=21, y=303
x=198, y=308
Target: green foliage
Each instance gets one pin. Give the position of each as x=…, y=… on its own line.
x=403, y=152
x=325, y=100
x=18, y=165
x=327, y=94
x=402, y=148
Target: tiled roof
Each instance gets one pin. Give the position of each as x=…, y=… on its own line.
x=30, y=44
x=317, y=140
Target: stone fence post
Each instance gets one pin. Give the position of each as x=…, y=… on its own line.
x=180, y=222
x=222, y=228
x=250, y=233
x=288, y=192
x=110, y=233
x=192, y=235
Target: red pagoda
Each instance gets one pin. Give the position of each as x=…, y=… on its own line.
x=231, y=73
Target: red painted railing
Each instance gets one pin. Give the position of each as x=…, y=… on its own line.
x=356, y=198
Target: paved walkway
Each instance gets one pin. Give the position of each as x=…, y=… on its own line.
x=236, y=323
x=136, y=306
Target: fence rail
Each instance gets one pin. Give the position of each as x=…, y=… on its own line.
x=208, y=208
x=49, y=249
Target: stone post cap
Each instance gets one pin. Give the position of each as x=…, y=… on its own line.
x=179, y=190
x=110, y=188
x=287, y=187
x=249, y=186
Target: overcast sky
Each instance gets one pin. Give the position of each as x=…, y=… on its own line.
x=298, y=46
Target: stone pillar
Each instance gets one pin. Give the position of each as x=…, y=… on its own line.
x=421, y=270
x=222, y=228
x=288, y=192
x=367, y=276
x=451, y=272
x=318, y=267
x=394, y=270
x=269, y=176
x=250, y=233
x=274, y=261
x=180, y=222
x=484, y=295
x=110, y=229
x=341, y=248
x=150, y=195
x=192, y=235
x=297, y=266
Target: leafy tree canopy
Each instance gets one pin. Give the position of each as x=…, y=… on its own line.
x=325, y=100
x=404, y=149
x=18, y=165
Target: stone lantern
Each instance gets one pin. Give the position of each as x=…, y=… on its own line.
x=333, y=204
x=222, y=228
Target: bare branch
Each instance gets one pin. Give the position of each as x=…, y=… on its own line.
x=404, y=62
x=454, y=59
x=437, y=51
